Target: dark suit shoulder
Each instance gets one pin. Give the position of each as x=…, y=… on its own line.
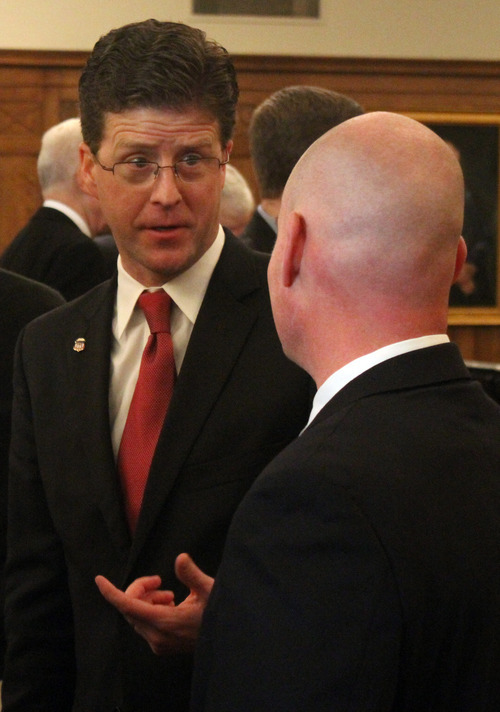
x=240, y=261
x=23, y=299
x=77, y=311
x=52, y=249
x=47, y=227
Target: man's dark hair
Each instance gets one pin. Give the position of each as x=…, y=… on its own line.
x=156, y=64
x=286, y=124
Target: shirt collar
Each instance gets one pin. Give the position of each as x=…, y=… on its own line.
x=187, y=290
x=272, y=222
x=355, y=368
x=70, y=213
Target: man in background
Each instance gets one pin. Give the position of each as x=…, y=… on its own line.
x=281, y=129
x=361, y=570
x=91, y=490
x=55, y=246
x=21, y=300
x=237, y=202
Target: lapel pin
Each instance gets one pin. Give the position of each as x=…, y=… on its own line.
x=79, y=345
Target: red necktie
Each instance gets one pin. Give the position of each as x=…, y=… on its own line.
x=149, y=405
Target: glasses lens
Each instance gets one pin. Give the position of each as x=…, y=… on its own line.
x=188, y=170
x=135, y=172
x=193, y=169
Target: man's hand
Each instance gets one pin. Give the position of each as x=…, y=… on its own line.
x=153, y=614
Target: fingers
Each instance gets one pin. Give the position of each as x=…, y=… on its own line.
x=141, y=596
x=108, y=590
x=117, y=598
x=191, y=576
x=152, y=613
x=147, y=588
x=141, y=587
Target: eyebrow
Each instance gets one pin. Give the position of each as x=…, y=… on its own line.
x=136, y=145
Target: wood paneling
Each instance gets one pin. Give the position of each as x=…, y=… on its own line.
x=38, y=89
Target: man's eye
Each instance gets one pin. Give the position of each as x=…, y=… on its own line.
x=138, y=163
x=191, y=160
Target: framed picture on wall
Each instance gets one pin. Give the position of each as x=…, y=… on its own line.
x=475, y=298
x=260, y=8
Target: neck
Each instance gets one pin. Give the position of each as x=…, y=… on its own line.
x=339, y=346
x=67, y=198
x=271, y=206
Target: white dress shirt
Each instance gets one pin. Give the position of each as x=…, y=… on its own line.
x=355, y=368
x=131, y=331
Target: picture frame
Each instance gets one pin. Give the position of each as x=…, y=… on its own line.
x=297, y=9
x=476, y=138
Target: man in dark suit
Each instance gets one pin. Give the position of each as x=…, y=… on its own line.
x=281, y=129
x=361, y=572
x=55, y=246
x=156, y=141
x=21, y=300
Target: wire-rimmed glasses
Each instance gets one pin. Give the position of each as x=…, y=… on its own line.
x=139, y=171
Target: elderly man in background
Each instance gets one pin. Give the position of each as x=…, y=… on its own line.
x=237, y=202
x=55, y=246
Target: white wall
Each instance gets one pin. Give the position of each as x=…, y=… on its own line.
x=427, y=29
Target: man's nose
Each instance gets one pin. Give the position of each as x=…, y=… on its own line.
x=165, y=188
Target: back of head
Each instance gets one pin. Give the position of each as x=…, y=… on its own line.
x=380, y=201
x=390, y=207
x=237, y=201
x=58, y=160
x=156, y=64
x=286, y=124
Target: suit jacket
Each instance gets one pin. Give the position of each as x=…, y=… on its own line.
x=107, y=245
x=362, y=570
x=237, y=402
x=258, y=234
x=21, y=300
x=53, y=250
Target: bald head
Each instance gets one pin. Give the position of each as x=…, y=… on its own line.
x=373, y=213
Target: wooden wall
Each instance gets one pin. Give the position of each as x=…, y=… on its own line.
x=38, y=89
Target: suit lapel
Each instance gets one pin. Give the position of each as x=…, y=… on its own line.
x=218, y=337
x=89, y=370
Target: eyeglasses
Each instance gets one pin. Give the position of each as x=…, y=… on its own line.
x=189, y=170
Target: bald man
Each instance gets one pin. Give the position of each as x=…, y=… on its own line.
x=362, y=570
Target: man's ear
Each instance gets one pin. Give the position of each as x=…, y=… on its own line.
x=294, y=247
x=460, y=258
x=85, y=175
x=228, y=148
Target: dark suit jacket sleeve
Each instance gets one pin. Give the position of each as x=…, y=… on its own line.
x=302, y=572
x=21, y=300
x=40, y=657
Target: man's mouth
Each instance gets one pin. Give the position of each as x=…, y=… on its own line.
x=164, y=228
